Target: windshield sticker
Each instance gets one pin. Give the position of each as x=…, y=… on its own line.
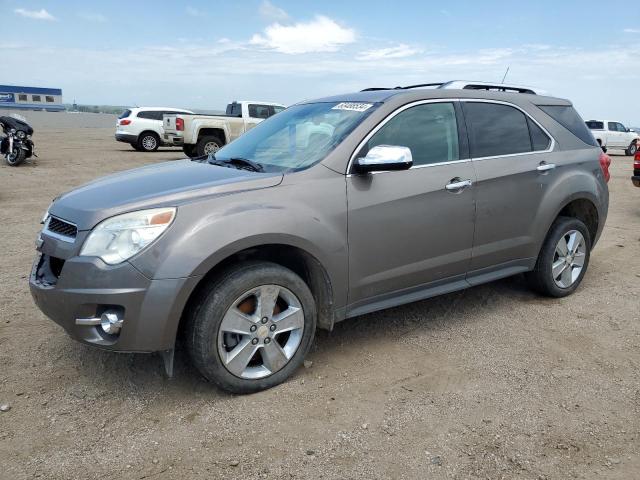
x=354, y=107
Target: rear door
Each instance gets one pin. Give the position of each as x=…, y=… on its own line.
x=510, y=152
x=407, y=230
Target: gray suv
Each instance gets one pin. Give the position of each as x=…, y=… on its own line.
x=331, y=209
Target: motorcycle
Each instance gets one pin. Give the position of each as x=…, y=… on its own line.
x=17, y=145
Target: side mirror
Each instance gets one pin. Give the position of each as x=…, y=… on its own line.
x=384, y=158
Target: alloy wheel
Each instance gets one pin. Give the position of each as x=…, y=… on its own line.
x=568, y=259
x=149, y=142
x=260, y=332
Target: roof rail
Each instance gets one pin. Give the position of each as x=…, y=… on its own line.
x=468, y=85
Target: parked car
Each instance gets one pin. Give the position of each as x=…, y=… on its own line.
x=333, y=208
x=636, y=169
x=611, y=134
x=204, y=134
x=142, y=127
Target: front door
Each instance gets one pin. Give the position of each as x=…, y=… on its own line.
x=407, y=230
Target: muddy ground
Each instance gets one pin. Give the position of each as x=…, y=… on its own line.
x=492, y=382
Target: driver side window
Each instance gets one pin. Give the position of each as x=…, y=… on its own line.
x=430, y=131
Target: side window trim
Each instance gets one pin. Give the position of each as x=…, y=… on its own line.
x=550, y=148
x=463, y=153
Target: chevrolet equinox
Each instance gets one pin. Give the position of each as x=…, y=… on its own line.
x=330, y=209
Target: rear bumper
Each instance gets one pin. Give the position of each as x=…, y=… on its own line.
x=636, y=180
x=172, y=140
x=126, y=137
x=87, y=287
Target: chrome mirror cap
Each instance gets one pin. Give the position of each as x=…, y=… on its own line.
x=383, y=158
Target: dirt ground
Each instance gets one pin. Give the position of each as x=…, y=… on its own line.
x=493, y=382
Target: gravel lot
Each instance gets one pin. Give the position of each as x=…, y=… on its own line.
x=493, y=382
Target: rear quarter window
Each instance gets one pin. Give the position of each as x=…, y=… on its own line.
x=569, y=119
x=125, y=114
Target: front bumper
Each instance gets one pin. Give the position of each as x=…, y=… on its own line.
x=85, y=287
x=636, y=180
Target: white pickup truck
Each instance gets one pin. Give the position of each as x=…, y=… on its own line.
x=204, y=134
x=611, y=134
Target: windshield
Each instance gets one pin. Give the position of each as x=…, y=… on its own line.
x=297, y=137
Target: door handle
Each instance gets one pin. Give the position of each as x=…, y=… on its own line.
x=456, y=184
x=545, y=167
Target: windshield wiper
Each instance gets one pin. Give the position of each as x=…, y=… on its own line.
x=236, y=162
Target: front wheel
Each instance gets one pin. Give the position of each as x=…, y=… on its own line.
x=16, y=157
x=633, y=148
x=250, y=329
x=563, y=259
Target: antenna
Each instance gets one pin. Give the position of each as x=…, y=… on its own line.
x=505, y=74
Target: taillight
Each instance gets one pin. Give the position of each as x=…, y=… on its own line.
x=179, y=123
x=125, y=121
x=605, y=161
x=636, y=161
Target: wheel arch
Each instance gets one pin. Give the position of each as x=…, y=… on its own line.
x=213, y=131
x=153, y=132
x=290, y=256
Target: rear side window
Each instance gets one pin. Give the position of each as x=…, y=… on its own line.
x=277, y=109
x=234, y=109
x=496, y=129
x=125, y=114
x=569, y=119
x=430, y=131
x=259, y=111
x=150, y=115
x=595, y=125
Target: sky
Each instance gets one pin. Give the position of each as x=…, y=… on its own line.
x=203, y=54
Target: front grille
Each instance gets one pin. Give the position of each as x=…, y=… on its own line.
x=61, y=227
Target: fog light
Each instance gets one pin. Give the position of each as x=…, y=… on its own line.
x=111, y=323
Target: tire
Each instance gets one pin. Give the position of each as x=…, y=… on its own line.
x=543, y=278
x=15, y=159
x=631, y=151
x=189, y=150
x=208, y=144
x=148, y=142
x=225, y=298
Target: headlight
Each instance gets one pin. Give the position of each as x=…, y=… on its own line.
x=21, y=134
x=118, y=238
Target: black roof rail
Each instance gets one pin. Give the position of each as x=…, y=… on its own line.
x=468, y=85
x=374, y=89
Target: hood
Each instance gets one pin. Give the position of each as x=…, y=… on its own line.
x=163, y=184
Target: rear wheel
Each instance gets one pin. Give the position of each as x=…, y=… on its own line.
x=208, y=145
x=148, y=142
x=633, y=148
x=189, y=150
x=250, y=329
x=563, y=259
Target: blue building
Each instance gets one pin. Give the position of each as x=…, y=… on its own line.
x=31, y=98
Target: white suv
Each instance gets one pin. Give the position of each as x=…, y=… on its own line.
x=142, y=127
